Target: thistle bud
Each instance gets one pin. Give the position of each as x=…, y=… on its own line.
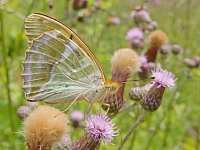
x=141, y=16
x=176, y=49
x=197, y=60
x=162, y=79
x=98, y=128
x=64, y=144
x=165, y=49
x=137, y=93
x=112, y=20
x=153, y=25
x=79, y=4
x=190, y=63
x=23, y=112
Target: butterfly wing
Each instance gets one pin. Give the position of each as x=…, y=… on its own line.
x=56, y=68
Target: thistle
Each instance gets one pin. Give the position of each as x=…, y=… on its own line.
x=79, y=4
x=162, y=79
x=144, y=67
x=124, y=63
x=76, y=118
x=157, y=39
x=43, y=129
x=176, y=49
x=137, y=93
x=64, y=144
x=165, y=49
x=23, y=112
x=98, y=128
x=141, y=16
x=136, y=37
x=113, y=20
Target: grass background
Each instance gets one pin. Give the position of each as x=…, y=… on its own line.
x=174, y=126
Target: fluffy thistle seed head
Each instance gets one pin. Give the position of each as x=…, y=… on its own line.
x=42, y=128
x=125, y=61
x=157, y=38
x=101, y=128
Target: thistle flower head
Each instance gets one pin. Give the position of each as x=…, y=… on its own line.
x=176, y=49
x=134, y=34
x=113, y=20
x=141, y=15
x=77, y=116
x=101, y=128
x=163, y=78
x=23, y=112
x=157, y=38
x=42, y=129
x=125, y=61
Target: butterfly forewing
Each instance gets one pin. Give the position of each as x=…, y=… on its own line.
x=56, y=69
x=36, y=24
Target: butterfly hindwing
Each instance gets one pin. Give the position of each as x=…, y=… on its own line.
x=57, y=69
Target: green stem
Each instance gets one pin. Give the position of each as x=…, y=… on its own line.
x=139, y=120
x=4, y=53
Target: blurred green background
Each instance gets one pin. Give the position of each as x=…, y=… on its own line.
x=174, y=126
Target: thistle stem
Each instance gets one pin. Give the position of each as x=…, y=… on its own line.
x=139, y=120
x=4, y=53
x=125, y=109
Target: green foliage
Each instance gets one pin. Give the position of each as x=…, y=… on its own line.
x=175, y=125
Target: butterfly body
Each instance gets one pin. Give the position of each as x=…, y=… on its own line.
x=58, y=66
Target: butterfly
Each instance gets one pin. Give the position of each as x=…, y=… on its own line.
x=58, y=66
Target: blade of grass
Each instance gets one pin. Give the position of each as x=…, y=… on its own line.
x=7, y=84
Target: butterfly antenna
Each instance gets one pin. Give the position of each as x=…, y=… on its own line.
x=136, y=80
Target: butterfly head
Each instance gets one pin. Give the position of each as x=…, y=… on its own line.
x=112, y=85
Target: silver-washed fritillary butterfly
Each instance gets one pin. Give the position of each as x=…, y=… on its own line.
x=58, y=66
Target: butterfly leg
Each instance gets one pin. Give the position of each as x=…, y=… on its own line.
x=69, y=105
x=90, y=104
x=108, y=105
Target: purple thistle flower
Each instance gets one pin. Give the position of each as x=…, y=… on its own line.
x=101, y=128
x=145, y=14
x=143, y=61
x=134, y=34
x=163, y=78
x=77, y=116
